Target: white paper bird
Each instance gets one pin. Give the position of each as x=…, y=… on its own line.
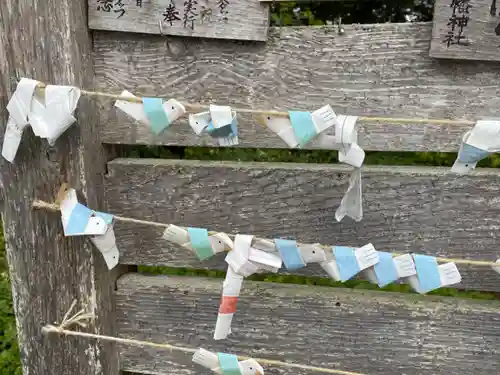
x=220, y=242
x=477, y=144
x=323, y=119
x=79, y=220
x=173, y=109
x=210, y=360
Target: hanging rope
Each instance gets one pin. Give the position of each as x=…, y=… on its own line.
x=80, y=318
x=199, y=106
x=38, y=204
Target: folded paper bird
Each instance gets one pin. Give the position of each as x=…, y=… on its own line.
x=154, y=112
x=220, y=122
x=226, y=364
x=477, y=144
x=79, y=220
x=300, y=128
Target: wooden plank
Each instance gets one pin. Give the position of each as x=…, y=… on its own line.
x=417, y=209
x=309, y=1
x=47, y=270
x=362, y=331
x=466, y=30
x=221, y=19
x=382, y=69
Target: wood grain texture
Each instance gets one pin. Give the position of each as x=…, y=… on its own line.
x=478, y=39
x=405, y=209
x=380, y=70
x=369, y=332
x=240, y=19
x=48, y=40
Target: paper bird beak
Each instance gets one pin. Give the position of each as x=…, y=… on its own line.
x=258, y=373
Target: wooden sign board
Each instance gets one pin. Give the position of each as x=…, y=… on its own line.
x=221, y=19
x=466, y=30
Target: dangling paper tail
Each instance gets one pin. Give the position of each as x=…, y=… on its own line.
x=230, y=292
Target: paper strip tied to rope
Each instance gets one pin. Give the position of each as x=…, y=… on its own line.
x=431, y=276
x=243, y=260
x=346, y=134
x=260, y=246
x=49, y=113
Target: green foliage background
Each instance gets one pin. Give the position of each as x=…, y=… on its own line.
x=283, y=14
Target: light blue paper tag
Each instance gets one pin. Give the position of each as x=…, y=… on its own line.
x=229, y=364
x=385, y=269
x=290, y=254
x=471, y=154
x=222, y=132
x=200, y=243
x=79, y=219
x=158, y=119
x=303, y=126
x=230, y=130
x=346, y=262
x=427, y=272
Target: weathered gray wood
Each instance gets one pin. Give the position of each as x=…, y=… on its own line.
x=478, y=39
x=405, y=209
x=362, y=331
x=382, y=69
x=239, y=19
x=300, y=1
x=48, y=40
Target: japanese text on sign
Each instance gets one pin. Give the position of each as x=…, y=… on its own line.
x=457, y=23
x=111, y=5
x=171, y=14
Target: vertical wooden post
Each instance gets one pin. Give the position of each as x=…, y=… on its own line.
x=49, y=40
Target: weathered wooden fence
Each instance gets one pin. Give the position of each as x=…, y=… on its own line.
x=369, y=70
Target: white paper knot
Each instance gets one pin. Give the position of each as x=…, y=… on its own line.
x=49, y=113
x=19, y=107
x=220, y=122
x=243, y=260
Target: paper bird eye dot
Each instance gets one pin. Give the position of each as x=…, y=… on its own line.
x=173, y=107
x=314, y=252
x=269, y=118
